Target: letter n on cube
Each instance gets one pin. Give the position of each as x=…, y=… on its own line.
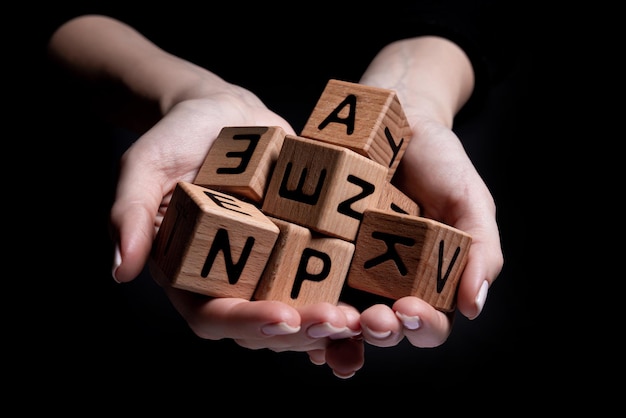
x=213, y=243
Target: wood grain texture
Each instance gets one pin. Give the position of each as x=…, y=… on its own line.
x=399, y=255
x=323, y=186
x=240, y=160
x=368, y=120
x=305, y=267
x=272, y=216
x=213, y=243
x=394, y=200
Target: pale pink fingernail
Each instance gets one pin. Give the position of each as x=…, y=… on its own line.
x=280, y=328
x=318, y=362
x=481, y=297
x=379, y=335
x=323, y=330
x=347, y=333
x=409, y=322
x=117, y=260
x=343, y=376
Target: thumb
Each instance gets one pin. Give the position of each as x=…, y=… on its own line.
x=134, y=221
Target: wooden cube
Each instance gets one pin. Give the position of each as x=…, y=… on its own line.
x=399, y=255
x=213, y=243
x=240, y=161
x=323, y=186
x=394, y=200
x=305, y=267
x=368, y=120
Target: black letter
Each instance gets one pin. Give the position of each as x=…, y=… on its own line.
x=441, y=282
x=345, y=206
x=393, y=146
x=221, y=199
x=221, y=242
x=397, y=208
x=245, y=155
x=302, y=274
x=334, y=116
x=391, y=253
x=297, y=194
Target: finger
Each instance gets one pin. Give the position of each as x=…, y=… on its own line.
x=133, y=222
x=353, y=321
x=380, y=326
x=133, y=216
x=317, y=357
x=321, y=320
x=345, y=357
x=423, y=325
x=320, y=323
x=484, y=264
x=235, y=318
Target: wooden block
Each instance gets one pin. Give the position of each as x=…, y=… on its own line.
x=399, y=255
x=305, y=267
x=323, y=187
x=394, y=200
x=213, y=243
x=241, y=159
x=368, y=120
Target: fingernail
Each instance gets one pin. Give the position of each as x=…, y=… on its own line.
x=481, y=297
x=343, y=376
x=117, y=260
x=409, y=322
x=324, y=330
x=347, y=333
x=280, y=328
x=379, y=335
x=318, y=362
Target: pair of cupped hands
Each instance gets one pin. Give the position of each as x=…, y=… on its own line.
x=435, y=172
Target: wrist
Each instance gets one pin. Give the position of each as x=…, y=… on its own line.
x=422, y=105
x=432, y=76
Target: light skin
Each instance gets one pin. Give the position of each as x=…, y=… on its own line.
x=181, y=110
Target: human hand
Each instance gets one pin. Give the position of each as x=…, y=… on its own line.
x=173, y=150
x=437, y=173
x=197, y=104
x=434, y=78
x=329, y=333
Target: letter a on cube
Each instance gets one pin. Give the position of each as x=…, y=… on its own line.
x=399, y=255
x=368, y=120
x=213, y=243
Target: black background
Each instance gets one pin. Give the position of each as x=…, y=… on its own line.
x=74, y=324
